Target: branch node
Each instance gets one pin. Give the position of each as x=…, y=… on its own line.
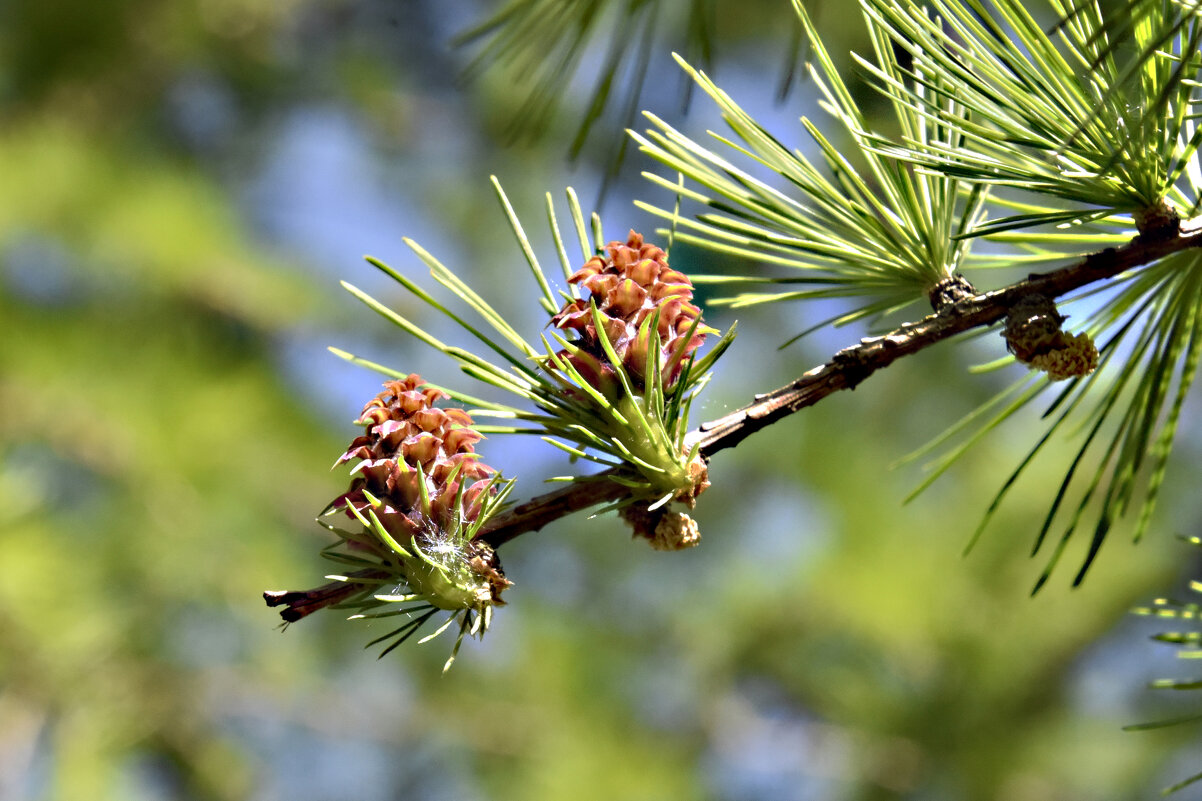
x=949, y=291
x=853, y=363
x=1157, y=222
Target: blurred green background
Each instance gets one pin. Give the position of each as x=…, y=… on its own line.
x=181, y=186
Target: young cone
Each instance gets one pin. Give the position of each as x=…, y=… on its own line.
x=637, y=333
x=632, y=288
x=419, y=494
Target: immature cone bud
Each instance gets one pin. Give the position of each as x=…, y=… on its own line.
x=675, y=532
x=1076, y=356
x=664, y=530
x=1033, y=334
x=630, y=285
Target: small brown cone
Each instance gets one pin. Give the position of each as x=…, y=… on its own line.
x=664, y=530
x=1034, y=335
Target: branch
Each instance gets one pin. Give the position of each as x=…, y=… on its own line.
x=850, y=366
x=299, y=603
x=845, y=370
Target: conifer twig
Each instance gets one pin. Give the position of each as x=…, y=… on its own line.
x=845, y=370
x=850, y=366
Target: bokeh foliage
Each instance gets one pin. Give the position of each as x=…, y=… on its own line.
x=161, y=463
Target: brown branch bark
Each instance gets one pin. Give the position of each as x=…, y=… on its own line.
x=299, y=603
x=846, y=370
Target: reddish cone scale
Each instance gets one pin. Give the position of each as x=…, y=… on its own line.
x=629, y=286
